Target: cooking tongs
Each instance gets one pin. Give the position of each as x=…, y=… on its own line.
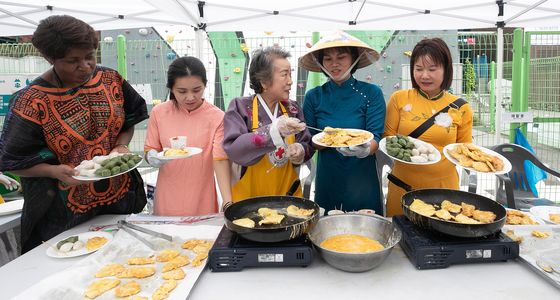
x=129, y=228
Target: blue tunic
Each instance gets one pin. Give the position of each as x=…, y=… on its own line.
x=343, y=182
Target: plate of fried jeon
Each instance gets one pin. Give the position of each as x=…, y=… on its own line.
x=342, y=137
x=172, y=154
x=549, y=214
x=476, y=158
x=79, y=244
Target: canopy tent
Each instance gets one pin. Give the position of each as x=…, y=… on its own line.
x=21, y=17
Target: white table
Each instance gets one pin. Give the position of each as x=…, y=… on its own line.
x=396, y=278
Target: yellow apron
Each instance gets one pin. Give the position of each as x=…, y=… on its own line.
x=263, y=178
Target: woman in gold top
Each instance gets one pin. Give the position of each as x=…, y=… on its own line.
x=430, y=113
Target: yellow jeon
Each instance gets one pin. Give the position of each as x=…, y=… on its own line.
x=340, y=137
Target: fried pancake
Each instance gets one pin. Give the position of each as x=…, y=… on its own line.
x=554, y=218
x=465, y=220
x=176, y=274
x=197, y=260
x=443, y=214
x=190, y=244
x=163, y=290
x=141, y=272
x=467, y=209
x=177, y=262
x=298, y=212
x=272, y=219
x=422, y=208
x=100, y=286
x=244, y=222
x=95, y=243
x=484, y=216
x=110, y=270
x=540, y=234
x=141, y=260
x=128, y=289
x=450, y=206
x=265, y=212
x=480, y=166
x=203, y=248
x=167, y=255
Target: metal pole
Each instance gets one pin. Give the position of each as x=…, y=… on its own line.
x=199, y=39
x=524, y=104
x=499, y=77
x=492, y=101
x=121, y=56
x=516, y=73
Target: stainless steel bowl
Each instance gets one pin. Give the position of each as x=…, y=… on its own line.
x=371, y=226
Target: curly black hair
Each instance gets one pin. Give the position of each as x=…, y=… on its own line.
x=56, y=35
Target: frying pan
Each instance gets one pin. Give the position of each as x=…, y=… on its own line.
x=436, y=196
x=290, y=227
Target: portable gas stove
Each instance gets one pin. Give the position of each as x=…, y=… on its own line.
x=233, y=253
x=434, y=250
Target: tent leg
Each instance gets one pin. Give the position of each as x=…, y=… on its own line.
x=499, y=77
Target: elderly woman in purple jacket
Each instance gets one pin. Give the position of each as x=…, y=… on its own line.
x=265, y=133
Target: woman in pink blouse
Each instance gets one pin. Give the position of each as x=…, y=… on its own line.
x=186, y=186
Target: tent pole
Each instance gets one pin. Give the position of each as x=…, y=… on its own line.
x=499, y=77
x=500, y=24
x=198, y=42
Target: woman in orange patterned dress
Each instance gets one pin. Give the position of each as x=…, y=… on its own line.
x=431, y=72
x=74, y=111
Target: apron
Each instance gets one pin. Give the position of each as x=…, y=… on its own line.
x=267, y=178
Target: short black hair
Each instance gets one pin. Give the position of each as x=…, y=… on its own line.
x=185, y=66
x=261, y=67
x=56, y=35
x=436, y=49
x=353, y=51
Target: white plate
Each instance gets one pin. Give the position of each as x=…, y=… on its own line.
x=190, y=152
x=507, y=164
x=383, y=148
x=53, y=252
x=543, y=211
x=320, y=135
x=530, y=215
x=11, y=207
x=96, y=178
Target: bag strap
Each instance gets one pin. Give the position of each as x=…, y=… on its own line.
x=429, y=122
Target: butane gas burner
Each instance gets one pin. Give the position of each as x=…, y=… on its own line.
x=233, y=253
x=433, y=250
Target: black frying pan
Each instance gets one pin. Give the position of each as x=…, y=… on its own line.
x=436, y=196
x=289, y=228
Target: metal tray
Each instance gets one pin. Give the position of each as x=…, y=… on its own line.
x=532, y=248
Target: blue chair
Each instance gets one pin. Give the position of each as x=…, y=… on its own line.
x=512, y=189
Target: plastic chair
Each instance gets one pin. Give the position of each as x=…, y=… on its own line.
x=513, y=188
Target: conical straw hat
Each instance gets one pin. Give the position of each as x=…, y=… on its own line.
x=338, y=39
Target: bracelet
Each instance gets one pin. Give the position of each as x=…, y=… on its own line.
x=123, y=145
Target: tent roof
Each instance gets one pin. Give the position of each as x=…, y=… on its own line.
x=21, y=17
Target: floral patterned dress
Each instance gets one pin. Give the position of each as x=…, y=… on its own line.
x=408, y=109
